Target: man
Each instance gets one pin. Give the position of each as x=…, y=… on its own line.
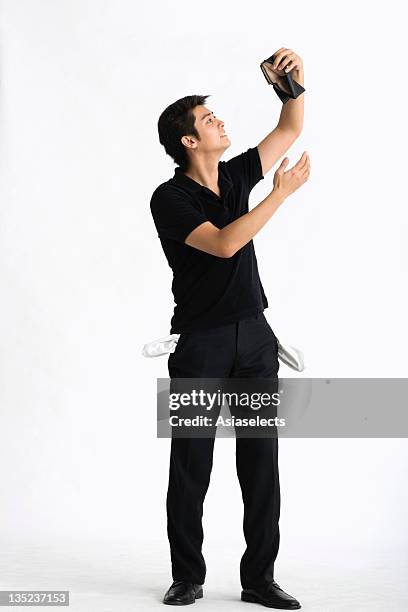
x=206, y=230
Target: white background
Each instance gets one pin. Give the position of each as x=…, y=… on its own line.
x=84, y=284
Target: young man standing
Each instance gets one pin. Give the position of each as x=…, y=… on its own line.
x=206, y=229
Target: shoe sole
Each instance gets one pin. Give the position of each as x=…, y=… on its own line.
x=180, y=603
x=251, y=598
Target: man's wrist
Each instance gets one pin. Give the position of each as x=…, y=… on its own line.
x=276, y=198
x=299, y=76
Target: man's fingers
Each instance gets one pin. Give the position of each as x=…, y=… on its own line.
x=303, y=162
x=283, y=164
x=302, y=167
x=279, y=56
x=306, y=171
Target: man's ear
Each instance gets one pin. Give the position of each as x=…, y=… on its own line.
x=188, y=142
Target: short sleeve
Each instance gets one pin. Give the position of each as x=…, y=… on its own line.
x=175, y=215
x=247, y=167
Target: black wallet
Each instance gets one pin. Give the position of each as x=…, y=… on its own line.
x=285, y=86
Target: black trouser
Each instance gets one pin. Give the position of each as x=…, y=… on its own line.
x=244, y=349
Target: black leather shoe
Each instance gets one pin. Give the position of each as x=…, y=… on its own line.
x=182, y=593
x=272, y=597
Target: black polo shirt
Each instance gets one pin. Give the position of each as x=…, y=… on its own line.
x=209, y=291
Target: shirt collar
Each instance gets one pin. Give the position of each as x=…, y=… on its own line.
x=190, y=185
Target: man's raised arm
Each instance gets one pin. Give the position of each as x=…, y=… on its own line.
x=227, y=241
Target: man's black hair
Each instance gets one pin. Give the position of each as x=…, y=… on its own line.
x=176, y=121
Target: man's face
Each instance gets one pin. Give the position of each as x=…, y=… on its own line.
x=211, y=131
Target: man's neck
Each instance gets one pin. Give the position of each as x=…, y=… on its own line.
x=205, y=173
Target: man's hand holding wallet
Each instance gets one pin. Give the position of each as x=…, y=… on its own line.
x=277, y=70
